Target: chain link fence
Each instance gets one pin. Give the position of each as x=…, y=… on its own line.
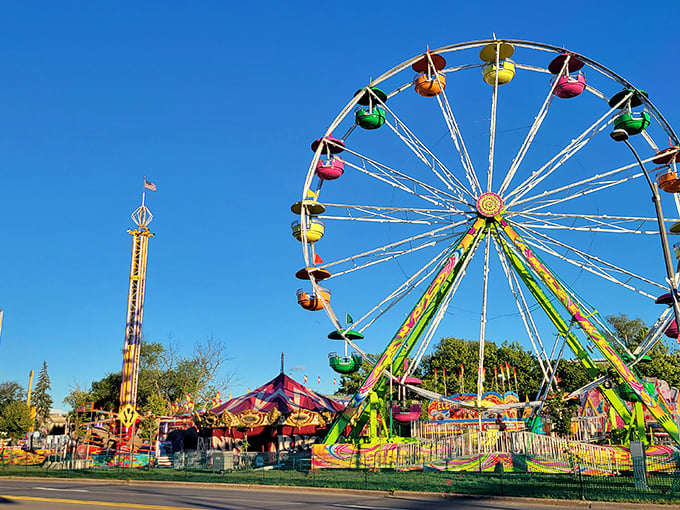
x=661, y=481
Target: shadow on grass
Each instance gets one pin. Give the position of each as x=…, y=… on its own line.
x=662, y=488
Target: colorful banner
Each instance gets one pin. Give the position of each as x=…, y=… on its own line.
x=430, y=456
x=445, y=411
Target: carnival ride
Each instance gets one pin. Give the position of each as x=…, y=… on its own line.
x=127, y=413
x=529, y=168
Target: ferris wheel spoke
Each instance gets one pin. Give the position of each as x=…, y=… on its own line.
x=492, y=129
x=482, y=325
x=396, y=249
x=587, y=262
x=418, y=278
x=538, y=121
x=525, y=313
x=386, y=214
x=412, y=186
x=596, y=182
x=560, y=158
x=436, y=320
x=591, y=222
x=580, y=194
x=459, y=143
x=422, y=152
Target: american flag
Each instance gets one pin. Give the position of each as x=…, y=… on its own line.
x=149, y=185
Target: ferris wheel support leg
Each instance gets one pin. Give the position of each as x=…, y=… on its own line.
x=636, y=430
x=652, y=402
x=410, y=331
x=556, y=318
x=622, y=136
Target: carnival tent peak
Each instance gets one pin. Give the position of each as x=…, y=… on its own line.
x=283, y=394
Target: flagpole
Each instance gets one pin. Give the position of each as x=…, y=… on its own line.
x=143, y=191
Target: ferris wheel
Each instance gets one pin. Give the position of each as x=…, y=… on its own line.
x=477, y=186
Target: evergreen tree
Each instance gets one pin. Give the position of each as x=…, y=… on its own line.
x=42, y=400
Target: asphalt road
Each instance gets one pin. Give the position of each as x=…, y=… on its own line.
x=46, y=494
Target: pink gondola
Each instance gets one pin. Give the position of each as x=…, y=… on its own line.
x=412, y=414
x=329, y=169
x=570, y=86
x=567, y=86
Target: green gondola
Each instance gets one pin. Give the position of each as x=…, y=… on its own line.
x=632, y=123
x=370, y=119
x=345, y=365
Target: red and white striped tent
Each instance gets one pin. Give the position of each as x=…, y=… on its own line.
x=283, y=394
x=281, y=407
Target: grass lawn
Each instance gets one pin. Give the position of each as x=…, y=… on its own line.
x=661, y=487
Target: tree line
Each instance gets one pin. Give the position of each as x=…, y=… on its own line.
x=16, y=416
x=167, y=380
x=453, y=363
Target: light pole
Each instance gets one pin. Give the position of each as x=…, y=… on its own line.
x=621, y=135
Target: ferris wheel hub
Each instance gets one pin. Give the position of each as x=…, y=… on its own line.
x=489, y=204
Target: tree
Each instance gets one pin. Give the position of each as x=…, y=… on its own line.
x=168, y=375
x=165, y=377
x=451, y=353
x=628, y=331
x=105, y=393
x=76, y=398
x=572, y=375
x=10, y=391
x=42, y=400
x=664, y=364
x=560, y=412
x=15, y=419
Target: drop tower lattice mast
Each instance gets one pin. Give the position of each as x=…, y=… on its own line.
x=135, y=311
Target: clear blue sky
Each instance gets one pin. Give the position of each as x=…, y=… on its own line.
x=216, y=103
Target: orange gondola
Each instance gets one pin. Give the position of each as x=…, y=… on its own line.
x=313, y=301
x=668, y=181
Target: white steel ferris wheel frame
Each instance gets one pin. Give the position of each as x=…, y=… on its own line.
x=459, y=187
